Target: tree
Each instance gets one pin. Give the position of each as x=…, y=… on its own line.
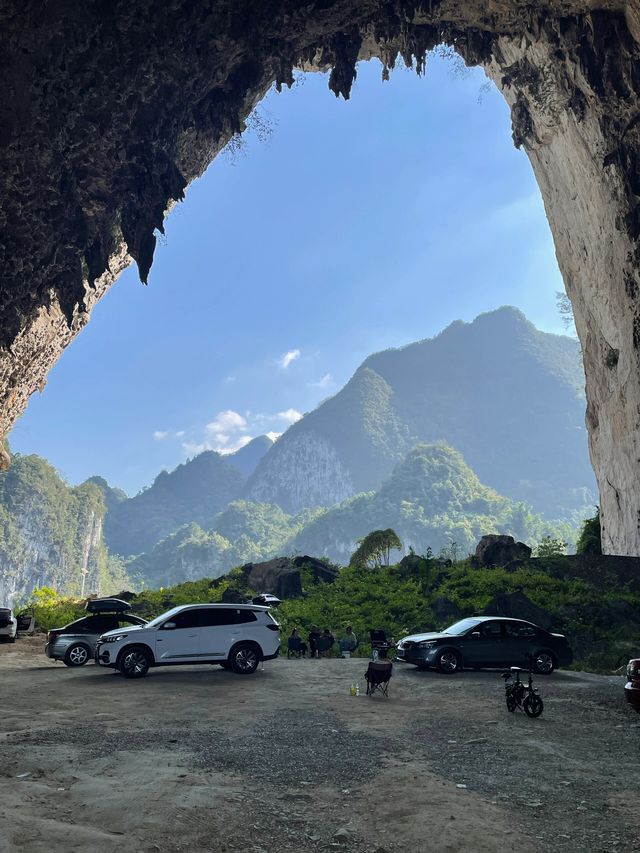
x=589, y=541
x=374, y=551
x=550, y=547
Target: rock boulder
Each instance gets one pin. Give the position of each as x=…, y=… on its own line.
x=500, y=550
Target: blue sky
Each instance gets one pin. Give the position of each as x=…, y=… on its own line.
x=353, y=227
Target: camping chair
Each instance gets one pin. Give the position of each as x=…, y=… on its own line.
x=379, y=641
x=377, y=676
x=294, y=648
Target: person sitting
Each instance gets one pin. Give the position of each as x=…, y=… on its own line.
x=348, y=643
x=314, y=636
x=325, y=643
x=296, y=644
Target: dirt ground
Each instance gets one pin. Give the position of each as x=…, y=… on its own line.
x=199, y=759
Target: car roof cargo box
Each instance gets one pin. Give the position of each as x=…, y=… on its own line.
x=106, y=605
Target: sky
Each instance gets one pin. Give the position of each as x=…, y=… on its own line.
x=335, y=230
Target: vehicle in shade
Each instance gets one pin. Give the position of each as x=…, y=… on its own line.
x=632, y=687
x=8, y=625
x=486, y=642
x=75, y=644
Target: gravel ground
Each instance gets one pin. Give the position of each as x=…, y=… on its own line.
x=198, y=759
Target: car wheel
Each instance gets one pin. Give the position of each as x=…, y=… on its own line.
x=134, y=662
x=77, y=655
x=533, y=706
x=244, y=659
x=11, y=639
x=543, y=663
x=448, y=661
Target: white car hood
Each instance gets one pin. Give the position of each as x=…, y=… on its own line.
x=127, y=630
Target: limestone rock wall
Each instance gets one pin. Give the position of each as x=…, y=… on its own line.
x=109, y=109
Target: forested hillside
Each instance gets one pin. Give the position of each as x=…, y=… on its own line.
x=508, y=397
x=194, y=492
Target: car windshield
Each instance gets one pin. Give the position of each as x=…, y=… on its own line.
x=460, y=627
x=162, y=618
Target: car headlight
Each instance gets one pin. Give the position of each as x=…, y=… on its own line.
x=428, y=644
x=113, y=639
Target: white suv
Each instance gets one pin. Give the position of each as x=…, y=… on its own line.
x=8, y=624
x=236, y=636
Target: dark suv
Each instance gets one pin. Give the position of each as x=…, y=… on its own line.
x=486, y=641
x=75, y=644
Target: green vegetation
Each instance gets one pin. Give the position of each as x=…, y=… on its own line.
x=589, y=540
x=375, y=549
x=433, y=500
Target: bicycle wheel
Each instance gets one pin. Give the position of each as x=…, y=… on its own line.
x=533, y=705
x=511, y=702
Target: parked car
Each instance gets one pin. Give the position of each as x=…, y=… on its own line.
x=75, y=644
x=632, y=687
x=236, y=636
x=486, y=641
x=266, y=599
x=8, y=625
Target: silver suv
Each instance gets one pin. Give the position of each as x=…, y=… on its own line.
x=235, y=636
x=75, y=644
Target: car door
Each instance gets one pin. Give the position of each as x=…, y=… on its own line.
x=520, y=640
x=221, y=628
x=178, y=639
x=483, y=645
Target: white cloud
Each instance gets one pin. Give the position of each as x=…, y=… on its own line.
x=227, y=422
x=285, y=360
x=274, y=436
x=290, y=416
x=160, y=434
x=180, y=433
x=323, y=382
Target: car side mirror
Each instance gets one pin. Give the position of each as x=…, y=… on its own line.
x=476, y=634
x=169, y=626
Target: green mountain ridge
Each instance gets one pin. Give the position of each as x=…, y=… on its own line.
x=508, y=397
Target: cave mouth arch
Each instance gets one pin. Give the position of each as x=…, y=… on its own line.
x=109, y=114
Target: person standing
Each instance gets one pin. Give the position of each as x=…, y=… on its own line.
x=314, y=636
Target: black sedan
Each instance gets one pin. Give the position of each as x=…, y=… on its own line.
x=486, y=641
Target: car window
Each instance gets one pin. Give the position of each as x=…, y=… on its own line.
x=80, y=626
x=491, y=630
x=100, y=624
x=212, y=616
x=185, y=619
x=127, y=621
x=519, y=630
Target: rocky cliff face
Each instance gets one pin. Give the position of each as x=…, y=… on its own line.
x=304, y=471
x=50, y=534
x=110, y=110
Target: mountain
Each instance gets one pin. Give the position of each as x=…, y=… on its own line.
x=508, y=397
x=50, y=533
x=247, y=458
x=432, y=499
x=193, y=492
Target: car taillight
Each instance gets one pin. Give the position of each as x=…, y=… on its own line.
x=273, y=626
x=52, y=635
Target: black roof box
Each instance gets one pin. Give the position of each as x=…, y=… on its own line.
x=106, y=605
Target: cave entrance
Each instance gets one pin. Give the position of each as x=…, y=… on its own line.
x=113, y=114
